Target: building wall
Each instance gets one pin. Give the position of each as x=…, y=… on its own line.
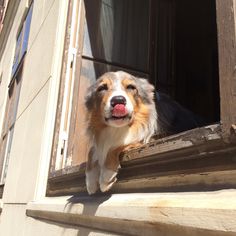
x=30, y=152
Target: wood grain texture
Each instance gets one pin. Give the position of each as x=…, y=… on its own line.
x=193, y=160
x=227, y=61
x=77, y=141
x=125, y=226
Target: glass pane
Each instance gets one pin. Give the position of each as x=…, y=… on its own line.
x=17, y=53
x=26, y=31
x=118, y=32
x=22, y=41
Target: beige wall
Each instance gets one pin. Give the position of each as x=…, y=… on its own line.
x=30, y=153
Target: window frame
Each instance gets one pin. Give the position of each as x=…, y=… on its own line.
x=193, y=147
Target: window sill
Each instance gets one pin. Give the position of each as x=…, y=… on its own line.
x=196, y=160
x=208, y=213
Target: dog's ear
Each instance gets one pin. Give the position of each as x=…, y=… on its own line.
x=145, y=89
x=90, y=96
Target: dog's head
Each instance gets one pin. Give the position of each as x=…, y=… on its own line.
x=117, y=97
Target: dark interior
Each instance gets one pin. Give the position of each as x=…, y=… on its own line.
x=171, y=42
x=186, y=55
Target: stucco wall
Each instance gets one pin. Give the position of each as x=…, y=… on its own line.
x=30, y=152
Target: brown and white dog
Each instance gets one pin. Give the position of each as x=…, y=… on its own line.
x=121, y=113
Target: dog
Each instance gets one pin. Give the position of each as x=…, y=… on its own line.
x=122, y=114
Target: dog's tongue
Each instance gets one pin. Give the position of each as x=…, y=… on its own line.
x=119, y=110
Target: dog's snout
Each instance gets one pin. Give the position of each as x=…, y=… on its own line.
x=118, y=100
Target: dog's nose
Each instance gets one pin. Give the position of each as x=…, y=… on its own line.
x=118, y=100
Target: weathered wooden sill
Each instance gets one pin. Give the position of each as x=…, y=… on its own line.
x=123, y=227
x=179, y=214
x=199, y=159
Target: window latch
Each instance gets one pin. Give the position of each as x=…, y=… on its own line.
x=64, y=138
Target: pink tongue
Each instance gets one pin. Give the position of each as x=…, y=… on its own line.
x=119, y=110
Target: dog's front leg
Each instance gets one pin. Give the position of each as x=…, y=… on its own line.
x=92, y=172
x=109, y=169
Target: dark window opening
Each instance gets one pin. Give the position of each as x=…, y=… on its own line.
x=185, y=54
x=171, y=42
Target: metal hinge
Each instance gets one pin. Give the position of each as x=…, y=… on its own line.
x=64, y=138
x=72, y=53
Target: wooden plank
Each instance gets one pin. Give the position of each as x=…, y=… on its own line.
x=202, y=181
x=128, y=227
x=209, y=158
x=227, y=61
x=77, y=154
x=191, y=138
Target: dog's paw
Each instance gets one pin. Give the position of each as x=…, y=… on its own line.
x=92, y=187
x=107, y=179
x=92, y=183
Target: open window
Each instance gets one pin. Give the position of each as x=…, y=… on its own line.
x=176, y=44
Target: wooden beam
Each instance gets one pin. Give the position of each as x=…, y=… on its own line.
x=194, y=160
x=126, y=226
x=227, y=61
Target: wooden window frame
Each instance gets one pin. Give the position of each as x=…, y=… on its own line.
x=199, y=159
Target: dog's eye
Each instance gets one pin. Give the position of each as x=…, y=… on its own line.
x=131, y=87
x=102, y=87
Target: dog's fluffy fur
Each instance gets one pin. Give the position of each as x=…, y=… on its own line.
x=111, y=135
x=122, y=114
